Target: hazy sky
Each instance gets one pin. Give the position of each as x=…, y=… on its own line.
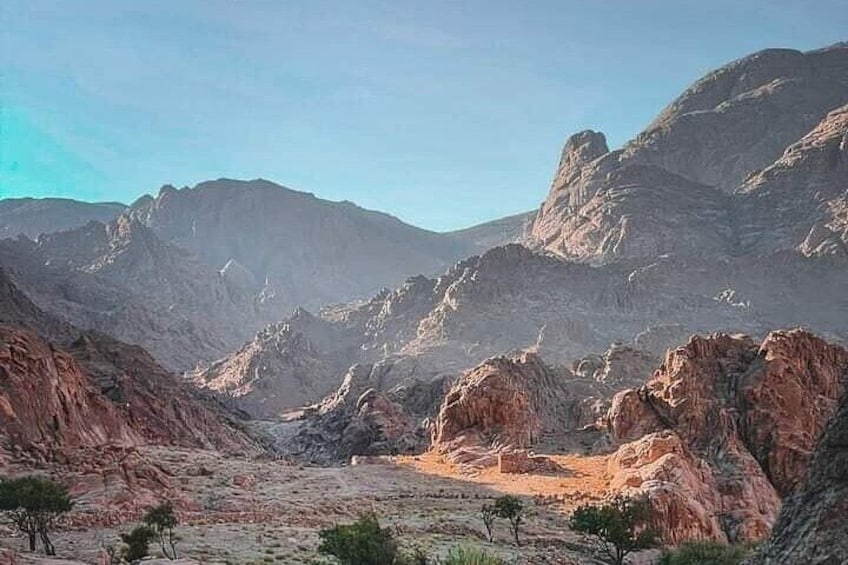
x=444, y=113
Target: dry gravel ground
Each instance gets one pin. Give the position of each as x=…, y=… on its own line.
x=240, y=510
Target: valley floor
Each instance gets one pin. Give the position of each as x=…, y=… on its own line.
x=243, y=510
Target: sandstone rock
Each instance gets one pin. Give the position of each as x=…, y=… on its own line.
x=47, y=400
x=811, y=527
x=95, y=391
x=515, y=402
x=725, y=429
x=522, y=462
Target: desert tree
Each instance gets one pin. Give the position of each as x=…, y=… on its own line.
x=162, y=520
x=34, y=504
x=511, y=508
x=488, y=514
x=616, y=528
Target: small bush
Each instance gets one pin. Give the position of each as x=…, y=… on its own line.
x=469, y=556
x=705, y=553
x=137, y=543
x=362, y=543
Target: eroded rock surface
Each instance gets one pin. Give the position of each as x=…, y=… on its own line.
x=811, y=527
x=725, y=429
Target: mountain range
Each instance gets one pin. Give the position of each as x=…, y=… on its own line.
x=245, y=317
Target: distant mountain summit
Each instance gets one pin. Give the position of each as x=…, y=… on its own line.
x=299, y=249
x=686, y=184
x=34, y=216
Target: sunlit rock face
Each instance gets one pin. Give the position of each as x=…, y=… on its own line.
x=725, y=429
x=704, y=177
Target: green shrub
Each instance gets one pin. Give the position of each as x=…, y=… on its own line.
x=617, y=528
x=34, y=504
x=705, y=553
x=512, y=509
x=162, y=520
x=362, y=543
x=137, y=543
x=469, y=556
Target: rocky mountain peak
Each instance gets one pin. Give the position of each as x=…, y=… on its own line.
x=580, y=149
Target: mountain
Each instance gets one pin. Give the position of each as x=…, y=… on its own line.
x=512, y=298
x=34, y=216
x=642, y=247
x=801, y=200
x=122, y=281
x=482, y=237
x=184, y=275
x=712, y=161
x=82, y=390
x=295, y=249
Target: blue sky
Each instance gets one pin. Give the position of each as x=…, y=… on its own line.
x=444, y=113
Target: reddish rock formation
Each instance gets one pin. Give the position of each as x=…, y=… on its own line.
x=94, y=391
x=520, y=462
x=47, y=402
x=515, y=402
x=812, y=527
x=730, y=430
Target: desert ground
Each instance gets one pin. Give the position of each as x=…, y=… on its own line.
x=246, y=510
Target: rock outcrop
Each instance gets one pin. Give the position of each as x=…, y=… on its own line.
x=361, y=420
x=48, y=402
x=510, y=404
x=725, y=429
x=89, y=391
x=811, y=527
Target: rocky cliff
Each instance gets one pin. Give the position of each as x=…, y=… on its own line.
x=362, y=418
x=201, y=313
x=811, y=527
x=519, y=402
x=89, y=391
x=725, y=429
x=801, y=200
x=684, y=185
